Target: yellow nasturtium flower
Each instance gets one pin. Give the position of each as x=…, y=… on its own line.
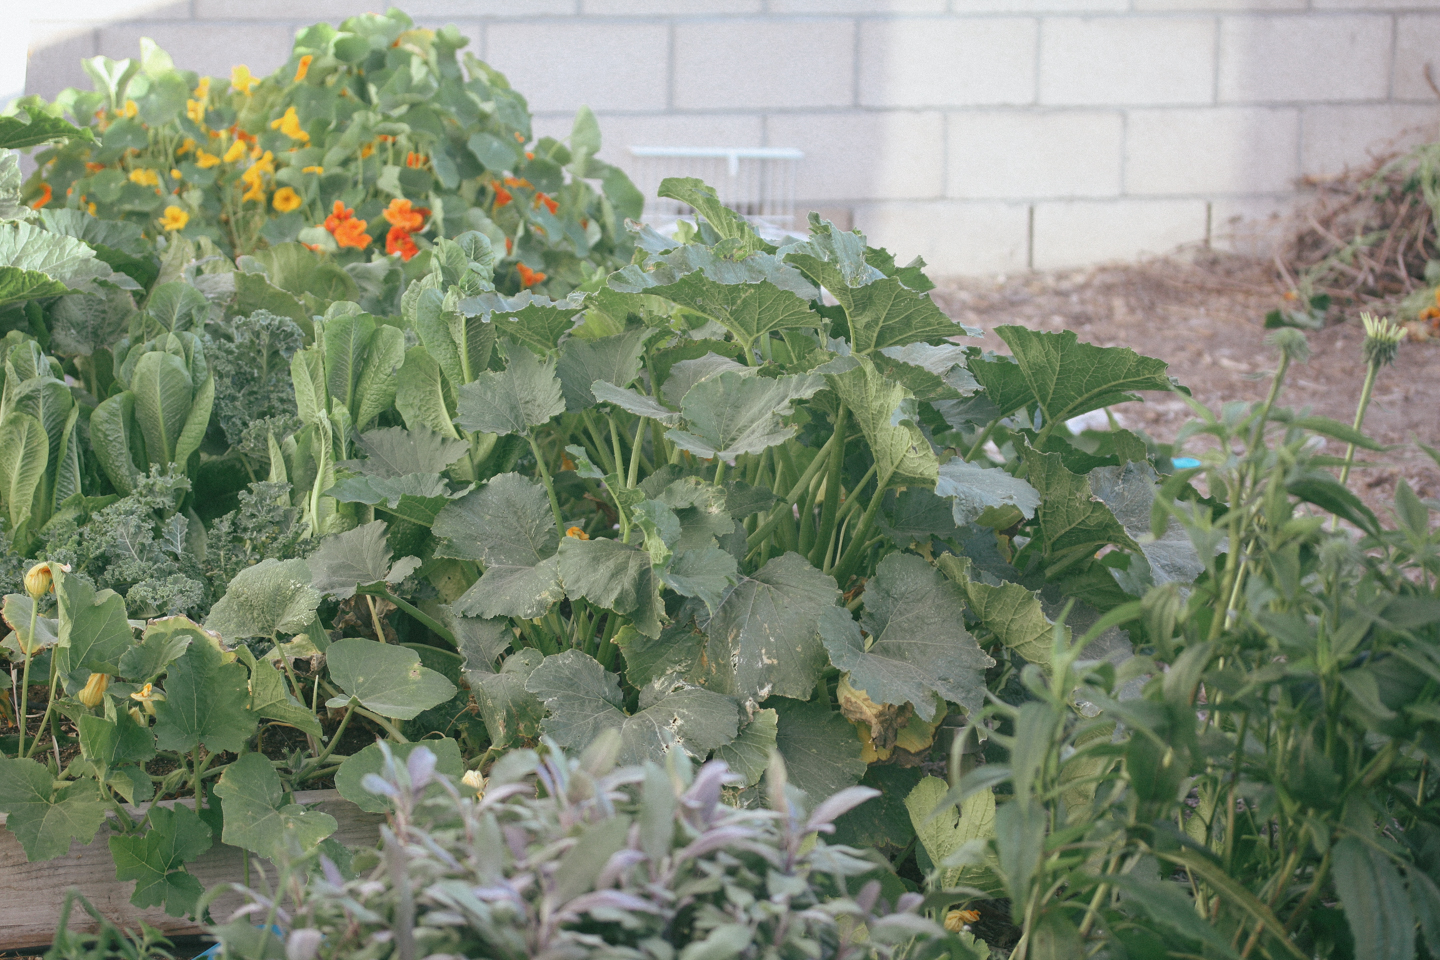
x=236, y=151
x=315, y=170
x=174, y=219
x=145, y=177
x=202, y=89
x=241, y=79
x=286, y=199
x=175, y=172
x=130, y=109
x=205, y=160
x=195, y=110
x=185, y=147
x=289, y=124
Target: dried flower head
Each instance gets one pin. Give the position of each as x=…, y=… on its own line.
x=1382, y=340
x=1292, y=344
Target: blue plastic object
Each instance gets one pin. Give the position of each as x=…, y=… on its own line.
x=215, y=950
x=1184, y=463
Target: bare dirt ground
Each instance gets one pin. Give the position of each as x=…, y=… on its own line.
x=1204, y=316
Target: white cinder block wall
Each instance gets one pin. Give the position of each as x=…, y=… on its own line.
x=987, y=135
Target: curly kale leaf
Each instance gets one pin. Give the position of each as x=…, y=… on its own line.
x=263, y=527
x=251, y=360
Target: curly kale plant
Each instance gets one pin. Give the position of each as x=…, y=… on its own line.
x=250, y=357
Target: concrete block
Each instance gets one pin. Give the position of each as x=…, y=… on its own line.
x=973, y=7
x=1251, y=226
x=55, y=54
x=1211, y=150
x=424, y=12
x=1334, y=137
x=1223, y=6
x=857, y=7
x=764, y=64
x=1031, y=154
x=953, y=236
x=856, y=156
x=1304, y=58
x=113, y=11
x=1070, y=233
x=947, y=62
x=204, y=47
x=667, y=8
x=1127, y=60
x=1417, y=45
x=560, y=66
x=1385, y=5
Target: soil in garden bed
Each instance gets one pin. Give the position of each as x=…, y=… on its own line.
x=1204, y=315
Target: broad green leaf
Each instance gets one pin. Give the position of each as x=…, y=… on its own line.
x=111, y=426
x=930, y=372
x=298, y=270
x=726, y=222
x=1377, y=907
x=207, y=701
x=749, y=753
x=686, y=373
x=678, y=652
x=1129, y=492
x=43, y=817
x=1009, y=611
x=916, y=514
x=883, y=822
x=511, y=713
x=29, y=248
x=830, y=256
x=393, y=452
x=110, y=743
x=583, y=700
x=508, y=526
x=385, y=678
x=12, y=207
x=370, y=760
x=1063, y=376
x=879, y=407
x=24, y=454
x=705, y=572
x=257, y=817
x=197, y=421
x=917, y=646
x=765, y=638
x=417, y=497
x=525, y=394
x=18, y=285
x=1072, y=520
x=164, y=641
x=750, y=311
x=943, y=833
x=535, y=321
x=973, y=489
x=420, y=394
x=379, y=378
x=94, y=633
x=157, y=860
x=356, y=558
x=16, y=134
x=274, y=596
x=733, y=414
x=613, y=575
x=18, y=610
x=307, y=374
x=615, y=360
x=481, y=642
x=271, y=699
x=636, y=403
x=163, y=388
x=347, y=338
x=821, y=751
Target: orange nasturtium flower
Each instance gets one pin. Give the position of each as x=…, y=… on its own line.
x=45, y=195
x=304, y=67
x=286, y=199
x=351, y=233
x=94, y=167
x=545, y=199
x=402, y=215
x=528, y=277
x=241, y=79
x=398, y=240
x=339, y=214
x=366, y=150
x=289, y=124
x=174, y=219
x=413, y=159
x=205, y=160
x=502, y=196
x=236, y=151
x=517, y=182
x=145, y=177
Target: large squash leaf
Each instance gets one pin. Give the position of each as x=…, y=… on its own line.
x=385, y=678
x=46, y=817
x=523, y=395
x=508, y=526
x=734, y=414
x=257, y=815
x=356, y=558
x=274, y=596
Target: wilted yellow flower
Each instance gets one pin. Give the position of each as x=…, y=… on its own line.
x=195, y=110
x=185, y=147
x=202, y=89
x=241, y=79
x=147, y=696
x=39, y=580
x=145, y=177
x=174, y=219
x=94, y=690
x=286, y=199
x=315, y=170
x=205, y=160
x=475, y=781
x=236, y=151
x=955, y=920
x=138, y=717
x=576, y=533
x=130, y=109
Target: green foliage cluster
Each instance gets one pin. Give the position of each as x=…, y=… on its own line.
x=730, y=501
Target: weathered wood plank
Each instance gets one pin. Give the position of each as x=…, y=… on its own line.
x=31, y=893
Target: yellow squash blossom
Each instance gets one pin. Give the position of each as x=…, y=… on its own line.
x=130, y=109
x=304, y=67
x=289, y=124
x=147, y=696
x=145, y=177
x=174, y=219
x=205, y=160
x=202, y=89
x=94, y=691
x=315, y=170
x=473, y=779
x=577, y=533
x=185, y=147
x=286, y=199
x=236, y=151
x=39, y=580
x=241, y=79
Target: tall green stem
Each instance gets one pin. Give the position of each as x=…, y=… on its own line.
x=549, y=485
x=826, y=531
x=25, y=675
